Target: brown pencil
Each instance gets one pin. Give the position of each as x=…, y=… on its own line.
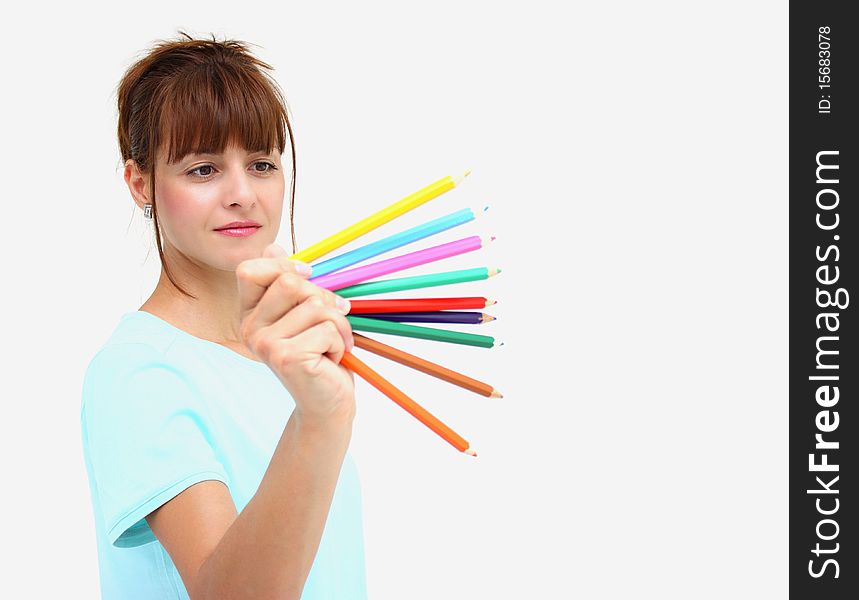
x=425, y=366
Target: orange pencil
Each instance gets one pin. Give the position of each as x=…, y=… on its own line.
x=425, y=366
x=421, y=414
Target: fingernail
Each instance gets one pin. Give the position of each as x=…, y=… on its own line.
x=343, y=304
x=302, y=268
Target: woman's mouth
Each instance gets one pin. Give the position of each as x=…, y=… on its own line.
x=238, y=231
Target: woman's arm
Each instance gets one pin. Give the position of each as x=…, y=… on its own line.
x=267, y=550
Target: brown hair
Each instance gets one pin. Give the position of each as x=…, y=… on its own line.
x=198, y=95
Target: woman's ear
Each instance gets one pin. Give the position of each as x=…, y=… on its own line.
x=137, y=183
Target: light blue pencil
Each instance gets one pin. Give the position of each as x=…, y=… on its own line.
x=394, y=241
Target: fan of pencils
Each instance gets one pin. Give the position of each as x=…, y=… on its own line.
x=393, y=316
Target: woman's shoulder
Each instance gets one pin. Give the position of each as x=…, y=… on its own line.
x=139, y=327
x=137, y=339
x=136, y=361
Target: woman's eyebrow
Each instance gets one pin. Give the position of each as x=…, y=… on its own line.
x=221, y=154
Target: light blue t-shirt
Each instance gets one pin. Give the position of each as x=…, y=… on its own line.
x=163, y=410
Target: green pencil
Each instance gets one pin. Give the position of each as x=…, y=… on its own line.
x=424, y=333
x=419, y=281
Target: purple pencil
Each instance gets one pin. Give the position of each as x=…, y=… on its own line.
x=434, y=316
x=341, y=279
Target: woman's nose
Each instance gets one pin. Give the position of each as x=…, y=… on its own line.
x=240, y=187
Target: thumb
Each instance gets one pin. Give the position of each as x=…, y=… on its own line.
x=273, y=251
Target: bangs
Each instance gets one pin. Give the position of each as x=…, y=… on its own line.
x=213, y=106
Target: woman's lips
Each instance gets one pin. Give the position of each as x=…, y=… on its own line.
x=238, y=231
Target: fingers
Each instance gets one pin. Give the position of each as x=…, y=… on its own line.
x=279, y=306
x=254, y=276
x=307, y=314
x=307, y=349
x=287, y=292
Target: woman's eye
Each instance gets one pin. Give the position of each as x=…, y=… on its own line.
x=198, y=171
x=192, y=171
x=266, y=163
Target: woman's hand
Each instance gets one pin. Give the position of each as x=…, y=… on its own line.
x=299, y=330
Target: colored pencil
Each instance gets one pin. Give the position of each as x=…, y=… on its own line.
x=425, y=366
x=341, y=279
x=419, y=281
x=348, y=360
x=433, y=316
x=418, y=304
x=416, y=331
x=378, y=219
x=416, y=410
x=394, y=241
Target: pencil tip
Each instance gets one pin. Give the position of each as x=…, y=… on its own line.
x=457, y=179
x=496, y=394
x=470, y=451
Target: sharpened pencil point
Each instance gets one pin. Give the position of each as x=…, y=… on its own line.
x=496, y=394
x=470, y=451
x=457, y=179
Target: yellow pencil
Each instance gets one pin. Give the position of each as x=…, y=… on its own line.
x=378, y=219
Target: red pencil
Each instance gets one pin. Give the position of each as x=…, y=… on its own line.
x=417, y=304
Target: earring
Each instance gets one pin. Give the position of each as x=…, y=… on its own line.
x=147, y=211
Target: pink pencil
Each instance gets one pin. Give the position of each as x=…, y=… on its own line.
x=341, y=279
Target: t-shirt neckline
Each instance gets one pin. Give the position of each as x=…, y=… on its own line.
x=227, y=352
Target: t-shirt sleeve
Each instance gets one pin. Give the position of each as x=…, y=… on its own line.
x=148, y=436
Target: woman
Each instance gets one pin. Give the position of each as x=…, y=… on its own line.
x=216, y=418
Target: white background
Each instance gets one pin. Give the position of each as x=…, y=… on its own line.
x=634, y=156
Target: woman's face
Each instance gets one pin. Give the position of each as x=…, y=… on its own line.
x=202, y=192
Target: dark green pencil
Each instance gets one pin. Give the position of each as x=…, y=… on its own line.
x=416, y=331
